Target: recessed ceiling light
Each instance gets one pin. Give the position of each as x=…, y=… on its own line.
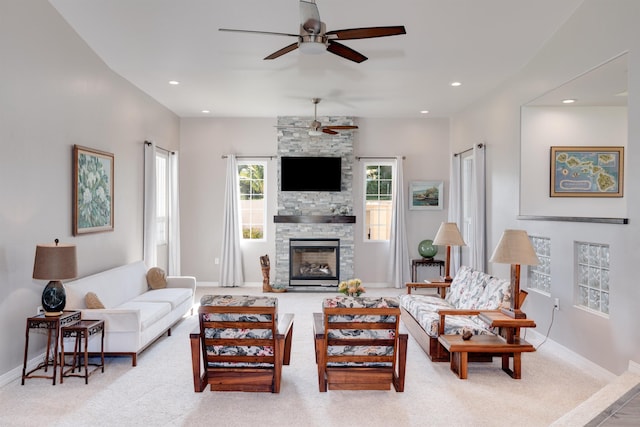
x=174, y=82
x=568, y=101
x=206, y=111
x=424, y=112
x=456, y=84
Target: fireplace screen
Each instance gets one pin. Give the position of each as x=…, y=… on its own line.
x=314, y=262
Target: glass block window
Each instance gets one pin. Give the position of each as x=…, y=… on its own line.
x=593, y=276
x=539, y=276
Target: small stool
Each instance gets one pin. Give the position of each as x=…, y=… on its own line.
x=82, y=329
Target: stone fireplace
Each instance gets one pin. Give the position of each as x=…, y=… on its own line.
x=314, y=262
x=318, y=215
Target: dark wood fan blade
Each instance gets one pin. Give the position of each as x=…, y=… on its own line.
x=258, y=32
x=367, y=33
x=287, y=49
x=329, y=131
x=345, y=52
x=341, y=127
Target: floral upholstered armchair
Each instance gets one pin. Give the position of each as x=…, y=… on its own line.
x=359, y=345
x=241, y=344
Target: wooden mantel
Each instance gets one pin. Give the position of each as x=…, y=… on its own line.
x=315, y=219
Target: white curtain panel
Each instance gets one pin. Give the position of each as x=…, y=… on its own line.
x=479, y=249
x=399, y=261
x=150, y=250
x=231, y=256
x=173, y=267
x=455, y=211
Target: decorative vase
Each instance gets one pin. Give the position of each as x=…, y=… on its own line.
x=427, y=249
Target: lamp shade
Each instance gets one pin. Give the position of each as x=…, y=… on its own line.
x=448, y=235
x=55, y=262
x=514, y=247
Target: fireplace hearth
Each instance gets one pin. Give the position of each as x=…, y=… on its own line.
x=314, y=262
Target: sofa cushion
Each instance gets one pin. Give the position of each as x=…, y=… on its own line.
x=156, y=278
x=150, y=312
x=92, y=301
x=174, y=296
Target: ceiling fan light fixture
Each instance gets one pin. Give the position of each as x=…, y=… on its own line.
x=314, y=132
x=312, y=44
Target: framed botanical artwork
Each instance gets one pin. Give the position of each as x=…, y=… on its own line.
x=426, y=195
x=92, y=190
x=587, y=171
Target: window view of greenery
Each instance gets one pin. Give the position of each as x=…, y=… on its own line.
x=378, y=201
x=252, y=200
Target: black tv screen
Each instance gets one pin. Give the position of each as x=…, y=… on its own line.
x=310, y=173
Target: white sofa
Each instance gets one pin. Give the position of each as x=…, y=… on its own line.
x=134, y=314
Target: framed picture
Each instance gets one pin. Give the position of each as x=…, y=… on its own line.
x=92, y=191
x=587, y=171
x=426, y=195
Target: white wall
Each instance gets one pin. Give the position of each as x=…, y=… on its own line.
x=54, y=93
x=596, y=33
x=424, y=142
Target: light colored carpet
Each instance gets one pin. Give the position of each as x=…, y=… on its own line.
x=159, y=391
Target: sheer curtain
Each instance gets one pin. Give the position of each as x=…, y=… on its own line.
x=455, y=211
x=150, y=233
x=231, y=256
x=398, y=250
x=479, y=248
x=173, y=264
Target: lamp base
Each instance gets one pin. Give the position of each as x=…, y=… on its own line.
x=514, y=313
x=52, y=313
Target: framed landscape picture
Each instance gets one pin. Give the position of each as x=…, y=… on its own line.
x=587, y=171
x=426, y=195
x=92, y=190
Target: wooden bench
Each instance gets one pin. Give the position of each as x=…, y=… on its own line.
x=486, y=344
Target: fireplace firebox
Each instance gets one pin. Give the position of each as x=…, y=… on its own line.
x=314, y=262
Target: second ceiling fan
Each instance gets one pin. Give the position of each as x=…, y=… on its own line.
x=316, y=128
x=314, y=38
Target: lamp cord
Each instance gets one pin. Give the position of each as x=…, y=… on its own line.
x=553, y=315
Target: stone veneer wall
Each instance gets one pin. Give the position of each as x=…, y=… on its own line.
x=297, y=142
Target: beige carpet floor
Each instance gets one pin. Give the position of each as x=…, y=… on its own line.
x=159, y=391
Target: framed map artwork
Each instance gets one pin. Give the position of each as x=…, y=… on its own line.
x=587, y=171
x=92, y=190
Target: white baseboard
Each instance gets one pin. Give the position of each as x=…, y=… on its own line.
x=634, y=367
x=16, y=373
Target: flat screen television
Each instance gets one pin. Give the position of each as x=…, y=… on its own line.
x=310, y=173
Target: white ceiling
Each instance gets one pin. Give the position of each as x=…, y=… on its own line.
x=477, y=42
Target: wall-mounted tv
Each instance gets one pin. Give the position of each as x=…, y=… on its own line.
x=310, y=173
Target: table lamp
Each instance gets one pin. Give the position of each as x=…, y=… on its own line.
x=515, y=248
x=54, y=262
x=448, y=235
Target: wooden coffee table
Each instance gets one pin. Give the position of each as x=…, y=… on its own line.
x=491, y=344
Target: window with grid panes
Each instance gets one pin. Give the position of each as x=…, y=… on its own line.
x=378, y=200
x=252, y=204
x=592, y=278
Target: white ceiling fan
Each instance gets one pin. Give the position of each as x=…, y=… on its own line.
x=316, y=128
x=314, y=38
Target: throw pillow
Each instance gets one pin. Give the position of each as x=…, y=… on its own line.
x=91, y=300
x=156, y=278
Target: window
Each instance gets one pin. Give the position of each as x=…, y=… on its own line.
x=593, y=276
x=378, y=201
x=162, y=197
x=252, y=190
x=539, y=276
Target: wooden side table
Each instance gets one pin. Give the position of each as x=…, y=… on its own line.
x=510, y=326
x=81, y=330
x=424, y=262
x=52, y=325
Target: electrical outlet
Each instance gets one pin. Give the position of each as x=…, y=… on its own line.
x=556, y=304
x=216, y=261
x=39, y=310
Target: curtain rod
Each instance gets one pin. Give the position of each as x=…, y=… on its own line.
x=224, y=156
x=160, y=148
x=481, y=145
x=377, y=158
